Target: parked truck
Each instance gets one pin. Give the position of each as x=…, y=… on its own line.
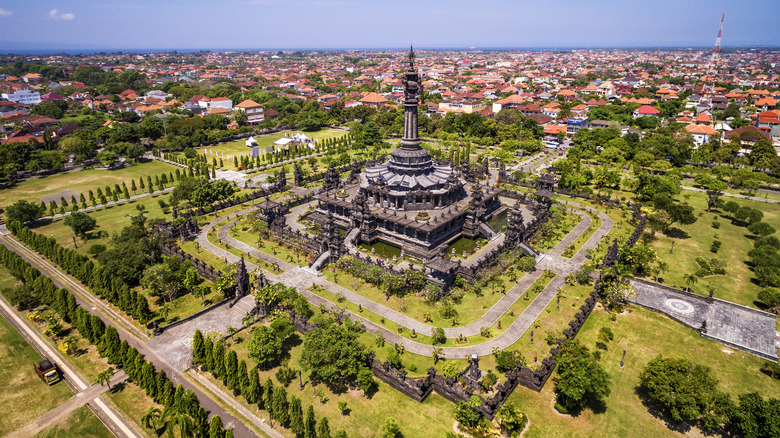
x=47, y=371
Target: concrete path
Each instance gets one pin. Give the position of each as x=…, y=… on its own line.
x=231, y=400
x=301, y=279
x=736, y=195
x=730, y=324
x=174, y=344
x=94, y=307
x=57, y=414
x=110, y=417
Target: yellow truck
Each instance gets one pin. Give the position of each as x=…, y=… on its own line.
x=47, y=371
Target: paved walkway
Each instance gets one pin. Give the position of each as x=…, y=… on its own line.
x=301, y=279
x=113, y=420
x=736, y=195
x=75, y=402
x=731, y=324
x=174, y=344
x=96, y=307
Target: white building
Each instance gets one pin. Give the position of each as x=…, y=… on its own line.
x=26, y=97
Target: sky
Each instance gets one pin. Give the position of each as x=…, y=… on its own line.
x=320, y=24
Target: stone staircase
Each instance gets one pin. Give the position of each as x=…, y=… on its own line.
x=487, y=231
x=244, y=306
x=315, y=267
x=350, y=241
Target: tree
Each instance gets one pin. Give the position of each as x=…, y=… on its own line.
x=391, y=429
x=198, y=348
x=684, y=391
x=310, y=425
x=104, y=377
x=264, y=345
x=580, y=378
x=215, y=427
x=231, y=369
x=755, y=417
x=280, y=408
x=332, y=353
x=323, y=431
x=80, y=222
x=254, y=393
x=761, y=229
x=731, y=207
x=690, y=280
x=23, y=212
x=296, y=416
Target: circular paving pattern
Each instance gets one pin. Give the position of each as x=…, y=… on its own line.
x=679, y=306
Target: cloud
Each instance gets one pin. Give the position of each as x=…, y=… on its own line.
x=55, y=15
x=5, y=13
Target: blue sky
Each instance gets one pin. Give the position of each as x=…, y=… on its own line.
x=221, y=24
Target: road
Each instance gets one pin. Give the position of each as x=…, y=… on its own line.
x=61, y=280
x=112, y=419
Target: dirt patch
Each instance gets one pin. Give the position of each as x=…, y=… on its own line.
x=56, y=197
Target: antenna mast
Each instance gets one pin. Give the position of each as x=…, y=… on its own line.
x=708, y=89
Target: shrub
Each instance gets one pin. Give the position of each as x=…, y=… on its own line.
x=96, y=249
x=285, y=375
x=715, y=246
x=715, y=224
x=770, y=297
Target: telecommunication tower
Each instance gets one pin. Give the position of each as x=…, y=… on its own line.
x=708, y=89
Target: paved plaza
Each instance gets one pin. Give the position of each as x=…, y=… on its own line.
x=737, y=326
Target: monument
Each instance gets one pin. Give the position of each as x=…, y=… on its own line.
x=411, y=201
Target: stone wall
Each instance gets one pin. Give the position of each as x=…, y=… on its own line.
x=204, y=269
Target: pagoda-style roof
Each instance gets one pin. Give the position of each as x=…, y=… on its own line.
x=544, y=193
x=441, y=264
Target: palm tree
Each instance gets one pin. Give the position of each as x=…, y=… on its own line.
x=248, y=320
x=164, y=311
x=690, y=280
x=151, y=418
x=104, y=377
x=172, y=419
x=660, y=268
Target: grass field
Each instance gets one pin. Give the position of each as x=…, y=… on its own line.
x=24, y=396
x=431, y=418
x=80, y=423
x=644, y=334
x=133, y=402
x=695, y=241
x=74, y=183
x=238, y=147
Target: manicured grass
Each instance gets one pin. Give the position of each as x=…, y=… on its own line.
x=469, y=309
x=52, y=187
x=562, y=227
x=572, y=297
x=644, y=334
x=24, y=396
x=133, y=403
x=239, y=147
x=737, y=285
x=80, y=423
x=110, y=220
x=431, y=418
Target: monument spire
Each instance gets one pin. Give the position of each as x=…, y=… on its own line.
x=412, y=92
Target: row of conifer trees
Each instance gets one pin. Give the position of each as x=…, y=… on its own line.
x=224, y=365
x=99, y=279
x=177, y=401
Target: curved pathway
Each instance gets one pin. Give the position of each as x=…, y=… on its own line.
x=302, y=280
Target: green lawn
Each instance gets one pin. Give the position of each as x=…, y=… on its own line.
x=133, y=403
x=74, y=183
x=238, y=147
x=736, y=285
x=110, y=220
x=80, y=423
x=644, y=334
x=431, y=418
x=24, y=396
